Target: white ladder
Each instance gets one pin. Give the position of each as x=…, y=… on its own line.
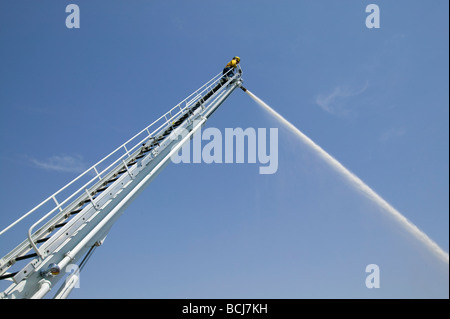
x=79, y=222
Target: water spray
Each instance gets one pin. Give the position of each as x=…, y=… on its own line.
x=356, y=182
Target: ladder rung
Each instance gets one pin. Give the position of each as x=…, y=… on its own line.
x=42, y=240
x=75, y=211
x=112, y=180
x=148, y=149
x=87, y=200
x=101, y=189
x=25, y=256
x=8, y=275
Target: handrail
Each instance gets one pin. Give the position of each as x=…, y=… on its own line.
x=188, y=102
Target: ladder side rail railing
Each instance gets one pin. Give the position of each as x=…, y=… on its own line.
x=123, y=163
x=195, y=95
x=66, y=230
x=94, y=167
x=51, y=198
x=29, y=243
x=205, y=88
x=43, y=230
x=199, y=93
x=96, y=185
x=96, y=230
x=129, y=157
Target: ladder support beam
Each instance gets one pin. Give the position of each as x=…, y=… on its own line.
x=86, y=225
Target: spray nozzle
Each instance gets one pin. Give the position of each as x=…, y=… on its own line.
x=240, y=85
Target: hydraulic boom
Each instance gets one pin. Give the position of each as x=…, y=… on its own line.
x=74, y=223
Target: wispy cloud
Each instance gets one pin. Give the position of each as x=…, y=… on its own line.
x=392, y=133
x=334, y=102
x=61, y=163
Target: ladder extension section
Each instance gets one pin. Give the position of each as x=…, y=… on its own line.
x=73, y=223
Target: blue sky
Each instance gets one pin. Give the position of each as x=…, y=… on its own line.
x=375, y=99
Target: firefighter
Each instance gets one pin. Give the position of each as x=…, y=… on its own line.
x=230, y=67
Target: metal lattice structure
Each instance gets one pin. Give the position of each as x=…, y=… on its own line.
x=76, y=219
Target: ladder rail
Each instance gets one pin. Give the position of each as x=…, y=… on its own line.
x=108, y=180
x=29, y=243
x=100, y=177
x=32, y=237
x=93, y=169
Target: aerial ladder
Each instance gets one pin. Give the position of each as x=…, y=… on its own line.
x=76, y=219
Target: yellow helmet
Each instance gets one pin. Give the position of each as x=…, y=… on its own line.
x=238, y=59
